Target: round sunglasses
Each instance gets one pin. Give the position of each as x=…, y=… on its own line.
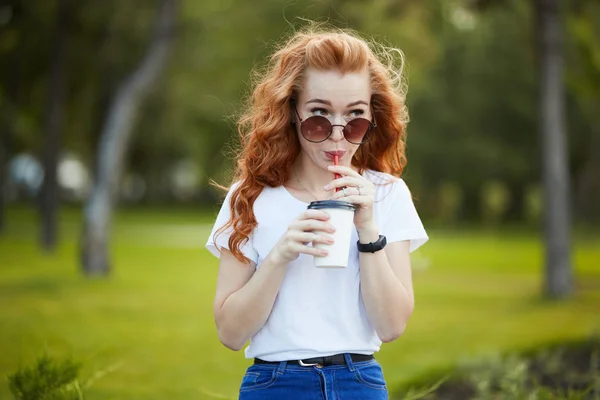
x=317, y=128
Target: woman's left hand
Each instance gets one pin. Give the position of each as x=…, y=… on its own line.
x=356, y=190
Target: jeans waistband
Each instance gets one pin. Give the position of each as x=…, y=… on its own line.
x=336, y=359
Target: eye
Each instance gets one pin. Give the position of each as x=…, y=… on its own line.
x=356, y=113
x=319, y=111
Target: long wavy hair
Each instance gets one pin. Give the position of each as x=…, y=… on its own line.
x=269, y=143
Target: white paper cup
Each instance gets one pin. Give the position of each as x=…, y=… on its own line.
x=342, y=218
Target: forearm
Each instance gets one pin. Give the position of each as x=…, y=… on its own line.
x=387, y=301
x=244, y=312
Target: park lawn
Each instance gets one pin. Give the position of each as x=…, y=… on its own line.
x=147, y=332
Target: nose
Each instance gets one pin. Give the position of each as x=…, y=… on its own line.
x=338, y=124
x=337, y=135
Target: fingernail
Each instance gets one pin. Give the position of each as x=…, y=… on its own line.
x=327, y=187
x=324, y=252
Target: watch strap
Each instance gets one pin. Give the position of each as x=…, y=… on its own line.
x=372, y=247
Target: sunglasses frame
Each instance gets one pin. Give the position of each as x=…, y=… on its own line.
x=372, y=126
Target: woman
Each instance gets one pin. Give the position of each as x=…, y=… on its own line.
x=313, y=331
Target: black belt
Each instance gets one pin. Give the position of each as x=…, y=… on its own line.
x=337, y=359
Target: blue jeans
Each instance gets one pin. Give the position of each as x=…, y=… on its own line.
x=356, y=380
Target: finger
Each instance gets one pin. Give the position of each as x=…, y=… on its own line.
x=362, y=201
x=314, y=214
x=309, y=225
x=341, y=182
x=313, y=251
x=348, y=191
x=345, y=171
x=311, y=237
x=302, y=237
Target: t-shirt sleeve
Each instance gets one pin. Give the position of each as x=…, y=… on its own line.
x=215, y=244
x=402, y=221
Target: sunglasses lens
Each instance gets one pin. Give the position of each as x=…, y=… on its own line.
x=355, y=130
x=316, y=129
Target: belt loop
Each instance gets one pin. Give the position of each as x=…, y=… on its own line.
x=281, y=368
x=349, y=362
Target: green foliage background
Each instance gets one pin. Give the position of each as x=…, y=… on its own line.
x=472, y=75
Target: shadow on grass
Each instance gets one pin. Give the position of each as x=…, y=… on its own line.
x=568, y=370
x=36, y=285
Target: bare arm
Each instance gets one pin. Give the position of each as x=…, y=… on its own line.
x=245, y=295
x=385, y=276
x=244, y=298
x=386, y=287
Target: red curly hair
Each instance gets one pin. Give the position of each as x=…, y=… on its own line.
x=268, y=140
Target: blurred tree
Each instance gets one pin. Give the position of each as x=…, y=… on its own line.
x=472, y=94
x=3, y=173
x=549, y=44
x=583, y=80
x=473, y=114
x=550, y=35
x=114, y=141
x=9, y=92
x=49, y=196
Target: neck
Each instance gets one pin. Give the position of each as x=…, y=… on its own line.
x=311, y=177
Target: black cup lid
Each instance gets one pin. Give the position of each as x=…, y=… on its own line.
x=322, y=204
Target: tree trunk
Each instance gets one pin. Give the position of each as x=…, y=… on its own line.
x=49, y=198
x=557, y=218
x=12, y=84
x=114, y=141
x=3, y=161
x=471, y=209
x=516, y=206
x=588, y=189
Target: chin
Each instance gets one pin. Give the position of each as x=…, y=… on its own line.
x=323, y=165
x=345, y=162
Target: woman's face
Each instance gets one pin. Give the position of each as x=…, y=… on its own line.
x=339, y=98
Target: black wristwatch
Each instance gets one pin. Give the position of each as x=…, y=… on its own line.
x=373, y=246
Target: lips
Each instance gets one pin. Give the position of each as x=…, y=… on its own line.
x=332, y=154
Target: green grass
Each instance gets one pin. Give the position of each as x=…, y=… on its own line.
x=150, y=325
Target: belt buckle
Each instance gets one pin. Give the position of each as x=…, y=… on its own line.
x=306, y=365
x=302, y=363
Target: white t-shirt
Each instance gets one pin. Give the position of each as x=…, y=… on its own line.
x=319, y=311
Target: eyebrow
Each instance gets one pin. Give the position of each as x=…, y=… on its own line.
x=328, y=103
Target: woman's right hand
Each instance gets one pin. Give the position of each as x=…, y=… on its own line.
x=311, y=226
